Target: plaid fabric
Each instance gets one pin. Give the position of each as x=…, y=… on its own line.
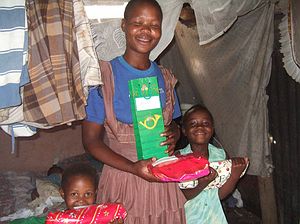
x=55, y=95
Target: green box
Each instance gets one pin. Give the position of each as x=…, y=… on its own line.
x=147, y=117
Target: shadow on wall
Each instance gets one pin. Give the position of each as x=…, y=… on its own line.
x=39, y=152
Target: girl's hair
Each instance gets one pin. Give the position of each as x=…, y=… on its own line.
x=194, y=108
x=133, y=3
x=79, y=169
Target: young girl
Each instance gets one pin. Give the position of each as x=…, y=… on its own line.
x=108, y=132
x=203, y=205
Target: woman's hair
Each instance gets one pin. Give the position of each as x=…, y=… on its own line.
x=79, y=169
x=194, y=108
x=133, y=3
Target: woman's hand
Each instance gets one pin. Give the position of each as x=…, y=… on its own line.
x=141, y=169
x=172, y=134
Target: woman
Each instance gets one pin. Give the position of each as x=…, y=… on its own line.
x=108, y=131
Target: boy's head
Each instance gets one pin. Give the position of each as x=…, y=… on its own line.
x=54, y=174
x=79, y=185
x=198, y=125
x=142, y=25
x=55, y=170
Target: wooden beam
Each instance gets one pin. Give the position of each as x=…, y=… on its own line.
x=267, y=200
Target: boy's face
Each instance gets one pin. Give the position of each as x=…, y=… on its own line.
x=198, y=127
x=142, y=28
x=80, y=191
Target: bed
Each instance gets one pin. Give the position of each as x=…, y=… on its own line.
x=16, y=188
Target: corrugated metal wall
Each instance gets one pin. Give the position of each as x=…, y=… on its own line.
x=284, y=117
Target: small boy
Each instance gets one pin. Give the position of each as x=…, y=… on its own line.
x=79, y=185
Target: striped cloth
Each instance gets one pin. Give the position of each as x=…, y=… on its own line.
x=13, y=52
x=55, y=94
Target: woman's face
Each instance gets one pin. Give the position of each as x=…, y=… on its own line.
x=142, y=28
x=198, y=127
x=80, y=191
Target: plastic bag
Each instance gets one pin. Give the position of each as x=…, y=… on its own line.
x=180, y=168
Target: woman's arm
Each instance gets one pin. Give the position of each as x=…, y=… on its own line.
x=92, y=135
x=202, y=183
x=239, y=164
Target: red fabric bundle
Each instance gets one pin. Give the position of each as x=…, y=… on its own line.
x=93, y=214
x=180, y=168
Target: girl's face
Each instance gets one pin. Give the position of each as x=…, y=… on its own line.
x=142, y=28
x=198, y=127
x=80, y=191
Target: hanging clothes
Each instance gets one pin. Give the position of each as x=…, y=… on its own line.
x=214, y=18
x=89, y=65
x=13, y=67
x=13, y=53
x=55, y=94
x=289, y=40
x=231, y=74
x=295, y=27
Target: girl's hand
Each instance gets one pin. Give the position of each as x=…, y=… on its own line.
x=202, y=183
x=141, y=169
x=239, y=164
x=209, y=178
x=172, y=134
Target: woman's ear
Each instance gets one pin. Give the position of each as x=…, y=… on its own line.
x=123, y=24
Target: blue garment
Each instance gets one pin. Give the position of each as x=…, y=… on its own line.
x=13, y=52
x=54, y=178
x=206, y=207
x=123, y=72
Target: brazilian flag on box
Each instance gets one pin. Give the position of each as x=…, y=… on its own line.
x=147, y=117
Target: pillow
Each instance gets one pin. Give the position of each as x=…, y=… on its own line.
x=45, y=189
x=49, y=197
x=223, y=169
